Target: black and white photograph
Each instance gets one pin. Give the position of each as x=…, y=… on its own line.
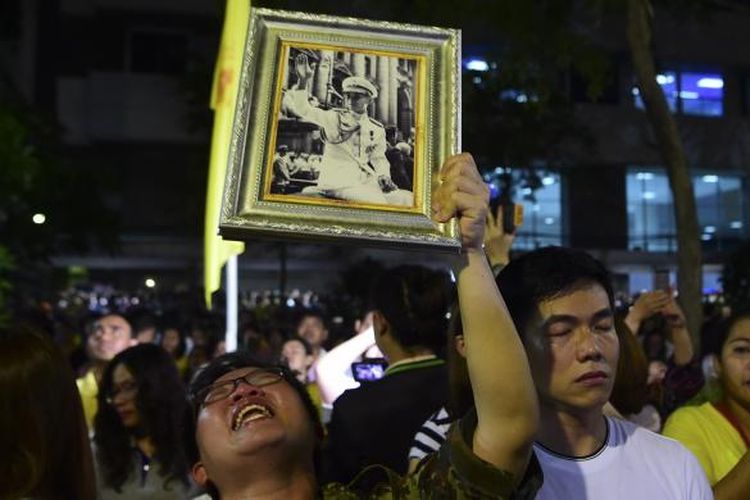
x=345, y=129
x=340, y=130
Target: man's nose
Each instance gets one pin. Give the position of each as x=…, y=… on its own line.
x=245, y=389
x=587, y=345
x=107, y=333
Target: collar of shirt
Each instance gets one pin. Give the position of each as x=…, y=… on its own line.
x=413, y=363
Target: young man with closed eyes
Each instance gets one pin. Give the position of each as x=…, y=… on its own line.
x=561, y=302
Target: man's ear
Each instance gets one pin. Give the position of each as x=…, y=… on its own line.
x=200, y=476
x=460, y=344
x=379, y=323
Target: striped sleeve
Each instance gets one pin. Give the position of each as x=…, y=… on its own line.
x=431, y=435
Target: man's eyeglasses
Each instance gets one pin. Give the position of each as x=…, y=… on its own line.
x=128, y=389
x=222, y=390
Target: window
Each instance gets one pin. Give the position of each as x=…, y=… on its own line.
x=10, y=20
x=476, y=64
x=651, y=226
x=158, y=52
x=689, y=93
x=539, y=193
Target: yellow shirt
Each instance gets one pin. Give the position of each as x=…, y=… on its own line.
x=314, y=392
x=88, y=389
x=183, y=365
x=712, y=439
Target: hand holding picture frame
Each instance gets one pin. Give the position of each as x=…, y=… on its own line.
x=340, y=131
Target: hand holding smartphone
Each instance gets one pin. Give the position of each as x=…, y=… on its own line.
x=369, y=370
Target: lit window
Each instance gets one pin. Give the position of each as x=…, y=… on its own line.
x=540, y=197
x=702, y=94
x=692, y=93
x=476, y=65
x=668, y=82
x=651, y=226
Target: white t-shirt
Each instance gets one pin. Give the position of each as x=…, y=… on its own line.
x=634, y=464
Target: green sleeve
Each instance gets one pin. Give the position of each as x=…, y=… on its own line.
x=453, y=472
x=457, y=472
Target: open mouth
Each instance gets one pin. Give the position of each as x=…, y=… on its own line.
x=250, y=413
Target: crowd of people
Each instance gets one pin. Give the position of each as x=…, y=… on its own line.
x=505, y=378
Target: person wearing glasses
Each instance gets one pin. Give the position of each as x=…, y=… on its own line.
x=258, y=434
x=140, y=427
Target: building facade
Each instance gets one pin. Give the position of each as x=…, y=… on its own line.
x=123, y=78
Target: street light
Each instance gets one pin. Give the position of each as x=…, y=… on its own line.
x=39, y=218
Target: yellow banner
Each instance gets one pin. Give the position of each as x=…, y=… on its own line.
x=223, y=102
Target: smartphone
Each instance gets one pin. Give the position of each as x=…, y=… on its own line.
x=512, y=217
x=661, y=280
x=370, y=370
x=512, y=214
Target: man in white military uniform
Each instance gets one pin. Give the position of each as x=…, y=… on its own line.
x=354, y=166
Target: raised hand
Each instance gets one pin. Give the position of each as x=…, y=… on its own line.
x=497, y=243
x=462, y=194
x=304, y=69
x=650, y=303
x=673, y=314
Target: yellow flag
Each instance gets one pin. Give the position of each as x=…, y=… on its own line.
x=223, y=101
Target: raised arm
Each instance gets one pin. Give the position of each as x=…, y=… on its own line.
x=504, y=394
x=647, y=304
x=497, y=243
x=331, y=369
x=678, y=333
x=296, y=98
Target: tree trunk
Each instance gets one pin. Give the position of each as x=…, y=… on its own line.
x=689, y=271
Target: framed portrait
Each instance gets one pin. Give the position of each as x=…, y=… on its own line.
x=340, y=130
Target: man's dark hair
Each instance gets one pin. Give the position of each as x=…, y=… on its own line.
x=240, y=359
x=415, y=301
x=312, y=313
x=545, y=274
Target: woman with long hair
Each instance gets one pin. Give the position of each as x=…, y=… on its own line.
x=43, y=437
x=140, y=427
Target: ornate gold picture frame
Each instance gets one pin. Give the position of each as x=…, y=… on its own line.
x=340, y=130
